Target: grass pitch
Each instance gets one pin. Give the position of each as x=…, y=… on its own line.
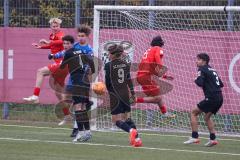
x=21, y=142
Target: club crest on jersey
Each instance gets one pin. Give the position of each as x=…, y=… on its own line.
x=127, y=46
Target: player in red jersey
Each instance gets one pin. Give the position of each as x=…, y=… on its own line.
x=152, y=64
x=55, y=44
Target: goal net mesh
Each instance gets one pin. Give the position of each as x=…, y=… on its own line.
x=186, y=33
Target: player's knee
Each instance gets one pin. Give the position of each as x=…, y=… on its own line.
x=115, y=118
x=194, y=113
x=43, y=71
x=157, y=99
x=40, y=71
x=206, y=118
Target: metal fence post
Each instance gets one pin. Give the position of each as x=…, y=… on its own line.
x=230, y=16
x=77, y=12
x=5, y=111
x=6, y=13
x=151, y=15
x=227, y=118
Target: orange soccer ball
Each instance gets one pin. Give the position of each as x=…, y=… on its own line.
x=99, y=88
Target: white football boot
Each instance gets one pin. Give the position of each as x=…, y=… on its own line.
x=211, y=143
x=192, y=140
x=32, y=99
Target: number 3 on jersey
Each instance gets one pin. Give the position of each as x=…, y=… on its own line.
x=120, y=75
x=217, y=78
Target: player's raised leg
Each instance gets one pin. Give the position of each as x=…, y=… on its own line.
x=159, y=101
x=55, y=44
x=151, y=64
x=41, y=73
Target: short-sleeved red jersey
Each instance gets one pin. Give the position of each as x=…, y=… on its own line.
x=56, y=44
x=151, y=58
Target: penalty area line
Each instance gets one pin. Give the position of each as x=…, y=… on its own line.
x=118, y=132
x=117, y=146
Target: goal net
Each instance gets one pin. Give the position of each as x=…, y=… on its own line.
x=186, y=31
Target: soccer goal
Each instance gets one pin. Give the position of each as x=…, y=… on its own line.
x=187, y=31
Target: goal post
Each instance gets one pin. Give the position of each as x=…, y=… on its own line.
x=187, y=31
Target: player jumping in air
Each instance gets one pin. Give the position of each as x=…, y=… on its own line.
x=81, y=47
x=78, y=64
x=118, y=83
x=55, y=45
x=151, y=64
x=211, y=84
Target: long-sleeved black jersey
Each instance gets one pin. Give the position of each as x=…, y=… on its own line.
x=209, y=80
x=118, y=79
x=77, y=63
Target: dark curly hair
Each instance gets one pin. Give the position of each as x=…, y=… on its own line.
x=116, y=50
x=157, y=41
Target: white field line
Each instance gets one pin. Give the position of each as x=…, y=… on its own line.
x=147, y=134
x=119, y=146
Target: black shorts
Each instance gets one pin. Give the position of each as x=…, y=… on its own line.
x=119, y=105
x=79, y=89
x=211, y=104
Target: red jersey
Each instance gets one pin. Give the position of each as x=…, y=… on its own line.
x=151, y=58
x=56, y=44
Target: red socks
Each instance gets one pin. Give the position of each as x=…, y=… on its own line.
x=163, y=109
x=139, y=100
x=36, y=91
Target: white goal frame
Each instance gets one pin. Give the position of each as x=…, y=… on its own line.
x=96, y=24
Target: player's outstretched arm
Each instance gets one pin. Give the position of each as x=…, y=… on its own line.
x=59, y=55
x=47, y=46
x=65, y=60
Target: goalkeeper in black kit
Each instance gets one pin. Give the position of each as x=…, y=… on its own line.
x=211, y=84
x=78, y=65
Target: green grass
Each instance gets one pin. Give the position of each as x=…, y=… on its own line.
x=46, y=113
x=28, y=143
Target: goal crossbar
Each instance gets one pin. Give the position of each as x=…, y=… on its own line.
x=167, y=8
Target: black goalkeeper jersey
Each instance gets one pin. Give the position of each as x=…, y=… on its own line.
x=209, y=80
x=77, y=63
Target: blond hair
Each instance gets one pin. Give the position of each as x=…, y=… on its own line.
x=55, y=20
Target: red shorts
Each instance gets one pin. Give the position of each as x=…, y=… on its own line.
x=149, y=86
x=58, y=74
